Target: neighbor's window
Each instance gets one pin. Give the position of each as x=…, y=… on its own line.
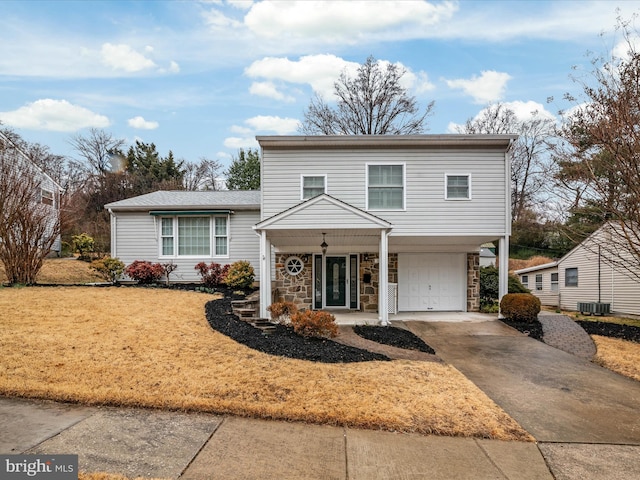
x=525, y=280
x=385, y=187
x=554, y=282
x=46, y=196
x=312, y=186
x=194, y=236
x=538, y=282
x=458, y=187
x=571, y=277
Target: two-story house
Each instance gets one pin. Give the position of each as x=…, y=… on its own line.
x=369, y=223
x=18, y=170
x=382, y=223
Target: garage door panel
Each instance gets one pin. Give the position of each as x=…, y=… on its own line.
x=431, y=282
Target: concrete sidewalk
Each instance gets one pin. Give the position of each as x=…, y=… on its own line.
x=171, y=445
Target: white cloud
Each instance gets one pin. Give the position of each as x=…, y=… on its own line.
x=123, y=57
x=174, y=67
x=488, y=87
x=141, y=123
x=53, y=115
x=267, y=123
x=241, y=142
x=344, y=22
x=269, y=90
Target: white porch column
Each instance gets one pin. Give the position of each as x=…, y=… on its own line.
x=383, y=281
x=503, y=268
x=265, y=274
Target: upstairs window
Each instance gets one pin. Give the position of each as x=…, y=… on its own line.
x=457, y=187
x=385, y=187
x=313, y=185
x=571, y=277
x=46, y=196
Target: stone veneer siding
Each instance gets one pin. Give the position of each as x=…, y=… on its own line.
x=473, y=282
x=299, y=288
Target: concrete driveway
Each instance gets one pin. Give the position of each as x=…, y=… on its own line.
x=554, y=395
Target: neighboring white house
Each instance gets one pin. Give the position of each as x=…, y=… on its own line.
x=382, y=223
x=187, y=228
x=49, y=190
x=590, y=273
x=487, y=255
x=542, y=281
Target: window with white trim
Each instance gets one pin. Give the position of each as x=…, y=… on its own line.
x=46, y=196
x=554, y=282
x=194, y=236
x=525, y=280
x=457, y=186
x=385, y=187
x=313, y=185
x=539, y=282
x=570, y=277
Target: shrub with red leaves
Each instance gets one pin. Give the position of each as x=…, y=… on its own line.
x=144, y=272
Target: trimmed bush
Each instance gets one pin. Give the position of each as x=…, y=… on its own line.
x=315, y=323
x=240, y=275
x=282, y=312
x=520, y=307
x=84, y=245
x=144, y=272
x=213, y=274
x=108, y=268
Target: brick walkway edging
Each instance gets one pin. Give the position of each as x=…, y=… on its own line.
x=563, y=333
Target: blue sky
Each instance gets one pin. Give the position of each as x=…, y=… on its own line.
x=203, y=78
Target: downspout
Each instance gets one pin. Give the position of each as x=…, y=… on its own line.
x=383, y=281
x=114, y=235
x=599, y=272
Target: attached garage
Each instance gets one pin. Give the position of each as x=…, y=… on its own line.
x=431, y=282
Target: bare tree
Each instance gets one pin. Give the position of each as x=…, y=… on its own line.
x=530, y=153
x=97, y=148
x=203, y=175
x=29, y=223
x=599, y=157
x=372, y=103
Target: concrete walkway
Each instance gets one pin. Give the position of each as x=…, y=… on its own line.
x=160, y=444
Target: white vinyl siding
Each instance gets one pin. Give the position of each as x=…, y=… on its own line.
x=137, y=236
x=457, y=186
x=426, y=211
x=385, y=187
x=313, y=185
x=540, y=283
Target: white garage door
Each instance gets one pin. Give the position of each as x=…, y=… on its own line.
x=431, y=282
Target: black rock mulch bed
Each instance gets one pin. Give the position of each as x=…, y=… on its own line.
x=615, y=330
x=395, y=337
x=533, y=329
x=283, y=341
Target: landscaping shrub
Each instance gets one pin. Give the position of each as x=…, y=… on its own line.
x=213, y=274
x=240, y=275
x=108, y=268
x=489, y=288
x=84, y=245
x=167, y=269
x=282, y=312
x=520, y=307
x=144, y=272
x=315, y=323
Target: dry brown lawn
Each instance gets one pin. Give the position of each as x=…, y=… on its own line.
x=62, y=271
x=108, y=476
x=618, y=355
x=154, y=348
